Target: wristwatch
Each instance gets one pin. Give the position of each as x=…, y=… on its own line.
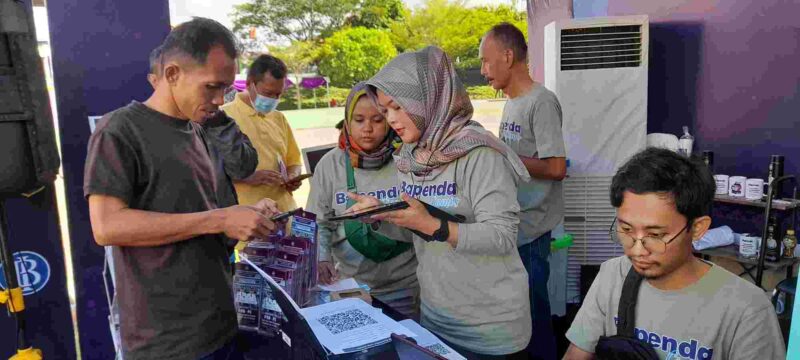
x=443, y=233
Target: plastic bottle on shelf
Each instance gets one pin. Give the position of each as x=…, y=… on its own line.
x=789, y=244
x=773, y=252
x=748, y=246
x=685, y=143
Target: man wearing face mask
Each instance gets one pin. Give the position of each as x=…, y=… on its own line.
x=254, y=112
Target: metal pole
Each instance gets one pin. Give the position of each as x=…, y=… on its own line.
x=10, y=272
x=763, y=247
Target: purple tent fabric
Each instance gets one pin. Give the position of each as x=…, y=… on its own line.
x=240, y=85
x=313, y=82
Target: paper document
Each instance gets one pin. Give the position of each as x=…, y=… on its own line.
x=344, y=284
x=272, y=281
x=351, y=325
x=429, y=341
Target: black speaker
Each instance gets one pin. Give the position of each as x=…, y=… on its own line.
x=28, y=153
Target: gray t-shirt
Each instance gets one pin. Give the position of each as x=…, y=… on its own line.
x=721, y=316
x=531, y=126
x=476, y=295
x=328, y=198
x=175, y=300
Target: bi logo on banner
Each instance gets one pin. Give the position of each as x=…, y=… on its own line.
x=33, y=272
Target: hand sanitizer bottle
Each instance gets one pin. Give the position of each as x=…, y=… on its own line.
x=685, y=143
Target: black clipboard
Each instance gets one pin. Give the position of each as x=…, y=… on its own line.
x=400, y=205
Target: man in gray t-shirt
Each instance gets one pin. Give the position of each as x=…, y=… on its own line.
x=686, y=308
x=531, y=126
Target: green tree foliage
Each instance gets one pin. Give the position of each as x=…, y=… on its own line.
x=294, y=20
x=355, y=54
x=297, y=58
x=304, y=20
x=453, y=27
x=377, y=14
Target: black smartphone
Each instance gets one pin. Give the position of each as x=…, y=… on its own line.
x=400, y=205
x=285, y=215
x=298, y=178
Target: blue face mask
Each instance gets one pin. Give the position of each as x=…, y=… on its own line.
x=264, y=104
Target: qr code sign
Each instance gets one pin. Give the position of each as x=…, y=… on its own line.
x=438, y=349
x=347, y=320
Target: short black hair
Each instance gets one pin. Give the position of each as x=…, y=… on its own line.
x=512, y=38
x=196, y=38
x=155, y=60
x=264, y=63
x=687, y=180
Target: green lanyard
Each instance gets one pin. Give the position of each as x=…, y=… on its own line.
x=361, y=237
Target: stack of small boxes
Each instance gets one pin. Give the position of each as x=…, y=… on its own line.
x=290, y=259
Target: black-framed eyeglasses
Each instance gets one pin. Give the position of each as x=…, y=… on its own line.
x=653, y=244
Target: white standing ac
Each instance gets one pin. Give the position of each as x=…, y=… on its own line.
x=598, y=69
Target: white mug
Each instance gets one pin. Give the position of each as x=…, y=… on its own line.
x=722, y=184
x=754, y=189
x=736, y=186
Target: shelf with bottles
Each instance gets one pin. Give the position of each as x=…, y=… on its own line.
x=732, y=252
x=780, y=205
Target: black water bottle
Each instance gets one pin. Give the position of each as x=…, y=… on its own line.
x=708, y=159
x=775, y=171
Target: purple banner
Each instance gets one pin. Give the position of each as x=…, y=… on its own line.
x=313, y=82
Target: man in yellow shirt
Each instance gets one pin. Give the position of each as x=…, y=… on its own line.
x=278, y=154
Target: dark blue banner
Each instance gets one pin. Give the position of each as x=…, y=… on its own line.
x=35, y=240
x=100, y=60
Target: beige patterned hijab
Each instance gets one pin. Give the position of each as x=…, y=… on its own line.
x=425, y=85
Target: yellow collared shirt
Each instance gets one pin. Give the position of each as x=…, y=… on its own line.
x=272, y=138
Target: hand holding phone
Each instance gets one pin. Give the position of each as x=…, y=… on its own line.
x=297, y=178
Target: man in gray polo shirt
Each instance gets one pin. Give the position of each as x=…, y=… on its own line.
x=531, y=126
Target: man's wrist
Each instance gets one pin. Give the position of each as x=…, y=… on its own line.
x=216, y=222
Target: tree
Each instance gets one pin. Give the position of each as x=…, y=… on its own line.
x=453, y=27
x=377, y=14
x=355, y=54
x=294, y=20
x=297, y=58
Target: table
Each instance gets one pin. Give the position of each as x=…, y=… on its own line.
x=749, y=265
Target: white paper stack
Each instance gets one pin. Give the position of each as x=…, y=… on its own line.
x=344, y=284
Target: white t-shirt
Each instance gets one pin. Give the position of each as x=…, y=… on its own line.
x=721, y=316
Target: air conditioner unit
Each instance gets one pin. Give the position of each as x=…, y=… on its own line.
x=598, y=69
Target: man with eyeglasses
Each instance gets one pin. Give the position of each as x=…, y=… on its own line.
x=687, y=308
x=158, y=182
